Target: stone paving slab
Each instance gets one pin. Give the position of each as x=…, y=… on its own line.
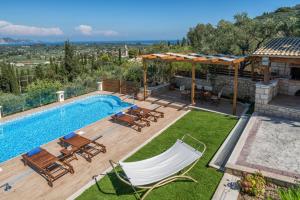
x=271, y=145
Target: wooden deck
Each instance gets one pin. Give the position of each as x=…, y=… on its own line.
x=119, y=140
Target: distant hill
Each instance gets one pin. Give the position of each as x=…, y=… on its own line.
x=282, y=13
x=8, y=40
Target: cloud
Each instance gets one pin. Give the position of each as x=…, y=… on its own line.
x=14, y=29
x=88, y=30
x=84, y=29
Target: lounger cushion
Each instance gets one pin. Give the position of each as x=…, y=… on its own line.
x=134, y=107
x=119, y=114
x=34, y=151
x=70, y=135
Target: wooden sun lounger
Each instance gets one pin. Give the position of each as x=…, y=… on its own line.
x=133, y=121
x=146, y=113
x=48, y=165
x=88, y=148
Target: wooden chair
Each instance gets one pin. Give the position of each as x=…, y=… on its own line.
x=86, y=147
x=183, y=92
x=215, y=99
x=146, y=113
x=132, y=121
x=47, y=165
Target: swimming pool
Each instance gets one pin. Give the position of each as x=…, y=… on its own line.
x=23, y=134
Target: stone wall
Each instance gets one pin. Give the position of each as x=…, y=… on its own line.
x=265, y=93
x=278, y=111
x=246, y=87
x=282, y=69
x=288, y=87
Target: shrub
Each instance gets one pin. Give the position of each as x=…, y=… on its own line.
x=253, y=184
x=11, y=103
x=289, y=193
x=41, y=92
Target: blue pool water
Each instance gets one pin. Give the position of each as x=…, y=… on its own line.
x=23, y=134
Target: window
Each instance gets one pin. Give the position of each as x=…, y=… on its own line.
x=295, y=73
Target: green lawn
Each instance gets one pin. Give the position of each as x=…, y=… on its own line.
x=208, y=127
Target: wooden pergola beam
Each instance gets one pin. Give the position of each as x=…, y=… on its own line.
x=194, y=60
x=193, y=84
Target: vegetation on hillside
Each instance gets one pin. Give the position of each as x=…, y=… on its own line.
x=245, y=34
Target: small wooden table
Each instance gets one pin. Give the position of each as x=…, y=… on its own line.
x=69, y=155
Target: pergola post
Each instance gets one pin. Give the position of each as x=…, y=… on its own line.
x=145, y=79
x=235, y=88
x=252, y=70
x=193, y=84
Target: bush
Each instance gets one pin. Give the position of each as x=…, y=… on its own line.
x=80, y=86
x=41, y=92
x=253, y=184
x=134, y=73
x=11, y=103
x=289, y=193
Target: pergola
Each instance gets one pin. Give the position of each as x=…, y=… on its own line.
x=194, y=59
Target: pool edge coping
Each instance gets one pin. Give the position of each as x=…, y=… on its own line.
x=54, y=107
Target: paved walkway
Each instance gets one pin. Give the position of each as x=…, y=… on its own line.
x=271, y=145
x=119, y=140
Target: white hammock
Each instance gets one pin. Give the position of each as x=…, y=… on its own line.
x=163, y=168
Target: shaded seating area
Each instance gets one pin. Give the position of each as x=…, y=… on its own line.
x=233, y=62
x=169, y=166
x=47, y=165
x=133, y=121
x=146, y=113
x=84, y=146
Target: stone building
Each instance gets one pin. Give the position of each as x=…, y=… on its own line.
x=279, y=93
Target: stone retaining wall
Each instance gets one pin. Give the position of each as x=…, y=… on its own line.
x=246, y=87
x=288, y=87
x=265, y=93
x=278, y=111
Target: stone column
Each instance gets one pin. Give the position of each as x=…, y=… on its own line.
x=100, y=86
x=60, y=96
x=264, y=94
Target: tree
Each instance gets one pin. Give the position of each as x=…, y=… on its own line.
x=132, y=53
x=120, y=56
x=202, y=38
x=38, y=72
x=69, y=62
x=10, y=78
x=183, y=42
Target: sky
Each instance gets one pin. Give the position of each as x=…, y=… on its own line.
x=115, y=20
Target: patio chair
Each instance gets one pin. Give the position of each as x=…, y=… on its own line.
x=88, y=148
x=169, y=166
x=183, y=92
x=132, y=121
x=215, y=99
x=146, y=113
x=46, y=164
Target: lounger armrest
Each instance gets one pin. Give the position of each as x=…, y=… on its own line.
x=201, y=145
